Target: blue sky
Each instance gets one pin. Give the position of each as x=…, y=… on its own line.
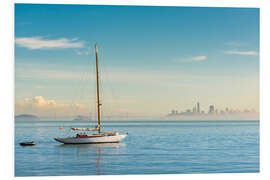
x=153, y=59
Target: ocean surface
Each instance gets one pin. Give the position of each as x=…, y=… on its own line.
x=152, y=147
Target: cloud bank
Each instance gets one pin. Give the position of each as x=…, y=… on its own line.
x=40, y=106
x=41, y=43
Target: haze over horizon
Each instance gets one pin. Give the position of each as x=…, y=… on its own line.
x=152, y=59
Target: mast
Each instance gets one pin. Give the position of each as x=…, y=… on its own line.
x=98, y=100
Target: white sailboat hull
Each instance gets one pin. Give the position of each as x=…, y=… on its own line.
x=92, y=140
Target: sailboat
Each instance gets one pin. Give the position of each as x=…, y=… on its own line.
x=97, y=136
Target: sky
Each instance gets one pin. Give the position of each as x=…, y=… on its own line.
x=152, y=59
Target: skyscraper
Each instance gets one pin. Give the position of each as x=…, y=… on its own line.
x=198, y=108
x=211, y=109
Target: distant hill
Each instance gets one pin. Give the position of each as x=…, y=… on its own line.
x=82, y=118
x=26, y=117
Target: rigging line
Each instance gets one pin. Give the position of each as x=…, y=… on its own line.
x=79, y=88
x=106, y=106
x=94, y=95
x=75, y=89
x=85, y=84
x=101, y=96
x=102, y=88
x=92, y=98
x=101, y=93
x=89, y=79
x=102, y=102
x=111, y=90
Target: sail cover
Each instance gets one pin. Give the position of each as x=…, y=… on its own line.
x=84, y=129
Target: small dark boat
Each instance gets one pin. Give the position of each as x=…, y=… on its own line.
x=28, y=143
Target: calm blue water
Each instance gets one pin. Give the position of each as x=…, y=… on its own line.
x=168, y=147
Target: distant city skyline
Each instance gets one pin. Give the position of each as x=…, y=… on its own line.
x=212, y=110
x=151, y=59
x=212, y=113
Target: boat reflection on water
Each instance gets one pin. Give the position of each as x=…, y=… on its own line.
x=86, y=151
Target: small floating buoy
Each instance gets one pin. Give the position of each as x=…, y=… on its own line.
x=28, y=143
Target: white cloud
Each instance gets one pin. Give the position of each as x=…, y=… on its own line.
x=247, y=53
x=83, y=51
x=199, y=58
x=191, y=59
x=40, y=43
x=39, y=105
